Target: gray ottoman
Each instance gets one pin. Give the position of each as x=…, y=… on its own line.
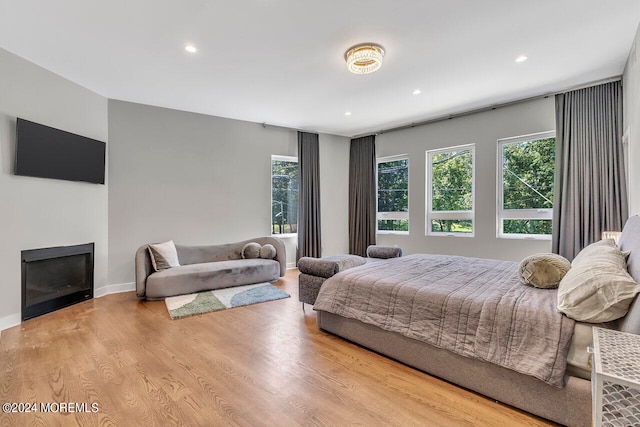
x=314, y=271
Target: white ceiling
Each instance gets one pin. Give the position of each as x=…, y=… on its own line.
x=281, y=61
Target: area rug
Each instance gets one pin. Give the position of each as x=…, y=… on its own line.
x=221, y=299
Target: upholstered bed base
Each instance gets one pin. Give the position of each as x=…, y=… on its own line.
x=570, y=405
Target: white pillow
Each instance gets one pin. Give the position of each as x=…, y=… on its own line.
x=598, y=287
x=164, y=255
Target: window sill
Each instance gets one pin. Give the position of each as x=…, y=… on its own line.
x=542, y=238
x=402, y=233
x=450, y=234
x=285, y=235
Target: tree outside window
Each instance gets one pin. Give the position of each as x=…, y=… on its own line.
x=526, y=167
x=393, y=194
x=284, y=195
x=450, y=190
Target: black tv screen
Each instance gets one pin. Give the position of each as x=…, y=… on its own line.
x=46, y=152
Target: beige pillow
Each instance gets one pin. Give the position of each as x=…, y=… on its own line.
x=543, y=270
x=164, y=255
x=598, y=287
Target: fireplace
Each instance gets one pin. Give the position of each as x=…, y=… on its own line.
x=53, y=278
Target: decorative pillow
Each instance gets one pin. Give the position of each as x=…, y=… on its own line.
x=164, y=255
x=268, y=251
x=598, y=287
x=384, y=252
x=251, y=250
x=543, y=270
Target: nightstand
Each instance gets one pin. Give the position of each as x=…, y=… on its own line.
x=615, y=378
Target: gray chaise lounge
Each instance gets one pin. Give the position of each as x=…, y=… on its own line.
x=208, y=267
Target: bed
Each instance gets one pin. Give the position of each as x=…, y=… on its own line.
x=472, y=322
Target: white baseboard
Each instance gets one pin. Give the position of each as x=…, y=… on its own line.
x=10, y=321
x=114, y=289
x=291, y=265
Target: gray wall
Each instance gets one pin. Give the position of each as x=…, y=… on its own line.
x=483, y=129
x=199, y=180
x=334, y=194
x=631, y=88
x=36, y=212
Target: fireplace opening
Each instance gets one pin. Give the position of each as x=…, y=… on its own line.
x=53, y=278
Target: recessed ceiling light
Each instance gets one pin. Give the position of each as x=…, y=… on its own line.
x=348, y=113
x=522, y=58
x=190, y=48
x=417, y=92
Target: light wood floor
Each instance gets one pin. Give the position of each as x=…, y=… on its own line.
x=261, y=365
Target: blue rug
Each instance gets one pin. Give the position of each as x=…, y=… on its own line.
x=221, y=299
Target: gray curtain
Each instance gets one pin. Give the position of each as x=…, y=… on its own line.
x=309, y=235
x=362, y=195
x=590, y=189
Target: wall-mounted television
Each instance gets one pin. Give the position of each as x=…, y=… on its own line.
x=46, y=152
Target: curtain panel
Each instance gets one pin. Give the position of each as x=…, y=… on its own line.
x=309, y=233
x=590, y=186
x=362, y=195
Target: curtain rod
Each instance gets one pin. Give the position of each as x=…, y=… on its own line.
x=491, y=107
x=264, y=125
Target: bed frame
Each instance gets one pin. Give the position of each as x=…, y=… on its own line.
x=569, y=405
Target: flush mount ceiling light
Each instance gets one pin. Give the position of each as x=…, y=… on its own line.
x=364, y=58
x=190, y=48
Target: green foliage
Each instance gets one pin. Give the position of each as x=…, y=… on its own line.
x=452, y=225
x=284, y=196
x=393, y=193
x=452, y=187
x=393, y=186
x=528, y=171
x=527, y=226
x=393, y=225
x=528, y=174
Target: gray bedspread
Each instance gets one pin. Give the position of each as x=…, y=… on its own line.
x=475, y=307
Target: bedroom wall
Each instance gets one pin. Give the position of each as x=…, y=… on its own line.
x=631, y=90
x=483, y=129
x=201, y=180
x=37, y=212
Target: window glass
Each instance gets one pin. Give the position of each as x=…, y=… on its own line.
x=393, y=194
x=526, y=167
x=450, y=190
x=284, y=195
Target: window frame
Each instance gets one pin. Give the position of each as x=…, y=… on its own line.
x=506, y=214
x=449, y=215
x=393, y=215
x=278, y=157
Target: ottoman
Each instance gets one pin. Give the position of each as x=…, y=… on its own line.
x=314, y=271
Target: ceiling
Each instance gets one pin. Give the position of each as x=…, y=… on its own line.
x=281, y=62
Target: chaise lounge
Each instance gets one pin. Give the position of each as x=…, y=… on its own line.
x=202, y=268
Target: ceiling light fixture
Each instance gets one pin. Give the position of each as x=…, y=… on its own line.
x=364, y=58
x=522, y=58
x=417, y=92
x=190, y=48
x=348, y=113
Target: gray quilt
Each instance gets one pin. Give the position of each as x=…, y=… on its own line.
x=475, y=307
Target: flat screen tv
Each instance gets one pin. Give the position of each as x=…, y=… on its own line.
x=46, y=152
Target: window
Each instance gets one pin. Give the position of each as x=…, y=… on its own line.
x=450, y=191
x=393, y=194
x=525, y=186
x=284, y=195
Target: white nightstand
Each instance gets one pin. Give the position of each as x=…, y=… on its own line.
x=615, y=378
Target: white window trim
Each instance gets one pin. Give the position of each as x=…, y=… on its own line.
x=281, y=158
x=392, y=215
x=451, y=215
x=502, y=214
